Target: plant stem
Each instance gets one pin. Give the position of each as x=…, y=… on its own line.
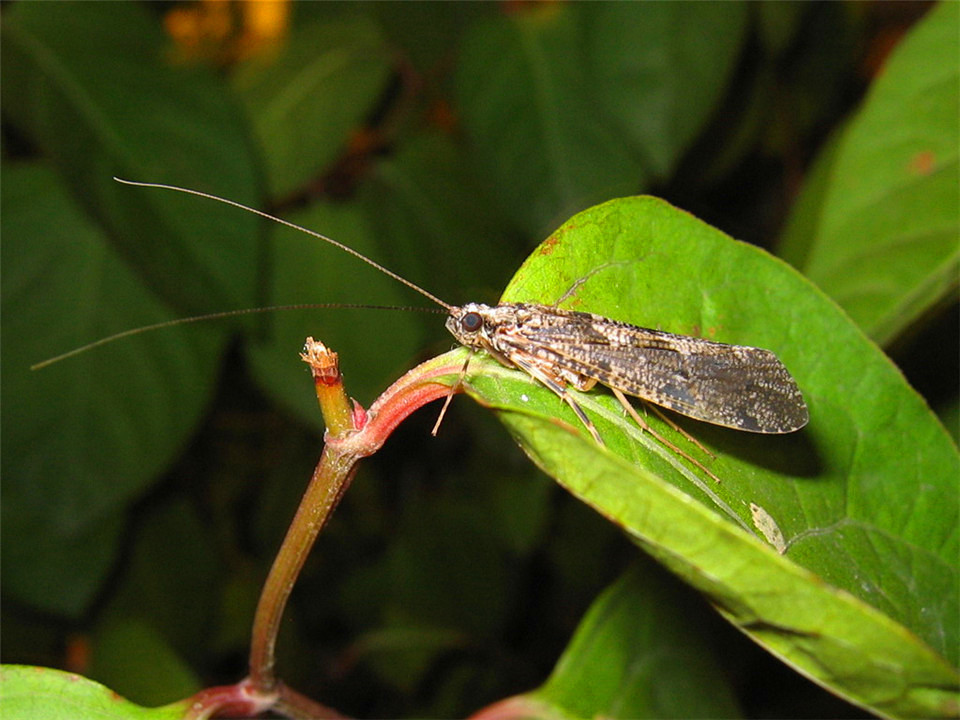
x=345, y=445
x=330, y=478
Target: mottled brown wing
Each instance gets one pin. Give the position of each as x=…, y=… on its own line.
x=734, y=386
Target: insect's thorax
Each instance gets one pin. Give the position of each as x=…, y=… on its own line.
x=482, y=327
x=505, y=330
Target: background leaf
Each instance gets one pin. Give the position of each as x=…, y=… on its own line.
x=300, y=261
x=88, y=110
x=550, y=155
x=883, y=233
x=128, y=407
x=688, y=53
x=136, y=655
x=663, y=667
x=436, y=215
x=328, y=71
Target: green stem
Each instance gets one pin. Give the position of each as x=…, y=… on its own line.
x=330, y=478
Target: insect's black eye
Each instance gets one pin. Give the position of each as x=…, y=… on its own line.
x=471, y=322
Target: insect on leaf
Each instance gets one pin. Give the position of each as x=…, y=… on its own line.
x=865, y=593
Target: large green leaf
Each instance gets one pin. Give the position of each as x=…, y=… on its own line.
x=89, y=85
x=83, y=437
x=637, y=654
x=427, y=33
x=305, y=99
x=660, y=69
x=536, y=133
x=863, y=598
x=883, y=224
x=32, y=693
x=800, y=234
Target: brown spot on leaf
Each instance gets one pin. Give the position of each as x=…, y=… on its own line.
x=546, y=247
x=922, y=163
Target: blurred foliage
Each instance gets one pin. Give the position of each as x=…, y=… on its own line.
x=147, y=484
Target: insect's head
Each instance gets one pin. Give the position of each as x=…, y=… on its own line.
x=467, y=324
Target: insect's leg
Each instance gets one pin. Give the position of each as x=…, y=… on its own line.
x=631, y=411
x=628, y=406
x=453, y=389
x=538, y=374
x=643, y=426
x=640, y=421
x=680, y=430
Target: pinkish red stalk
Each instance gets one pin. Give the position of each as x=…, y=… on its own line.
x=330, y=480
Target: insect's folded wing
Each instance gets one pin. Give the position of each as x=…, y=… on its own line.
x=730, y=385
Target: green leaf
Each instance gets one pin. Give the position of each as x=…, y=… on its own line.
x=660, y=69
x=57, y=570
x=800, y=234
x=526, y=106
x=33, y=693
x=637, y=654
x=778, y=24
x=864, y=600
x=84, y=437
x=427, y=33
x=88, y=84
x=170, y=554
x=450, y=584
x=305, y=101
x=133, y=658
x=884, y=229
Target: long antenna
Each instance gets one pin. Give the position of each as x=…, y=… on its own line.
x=214, y=316
x=294, y=226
